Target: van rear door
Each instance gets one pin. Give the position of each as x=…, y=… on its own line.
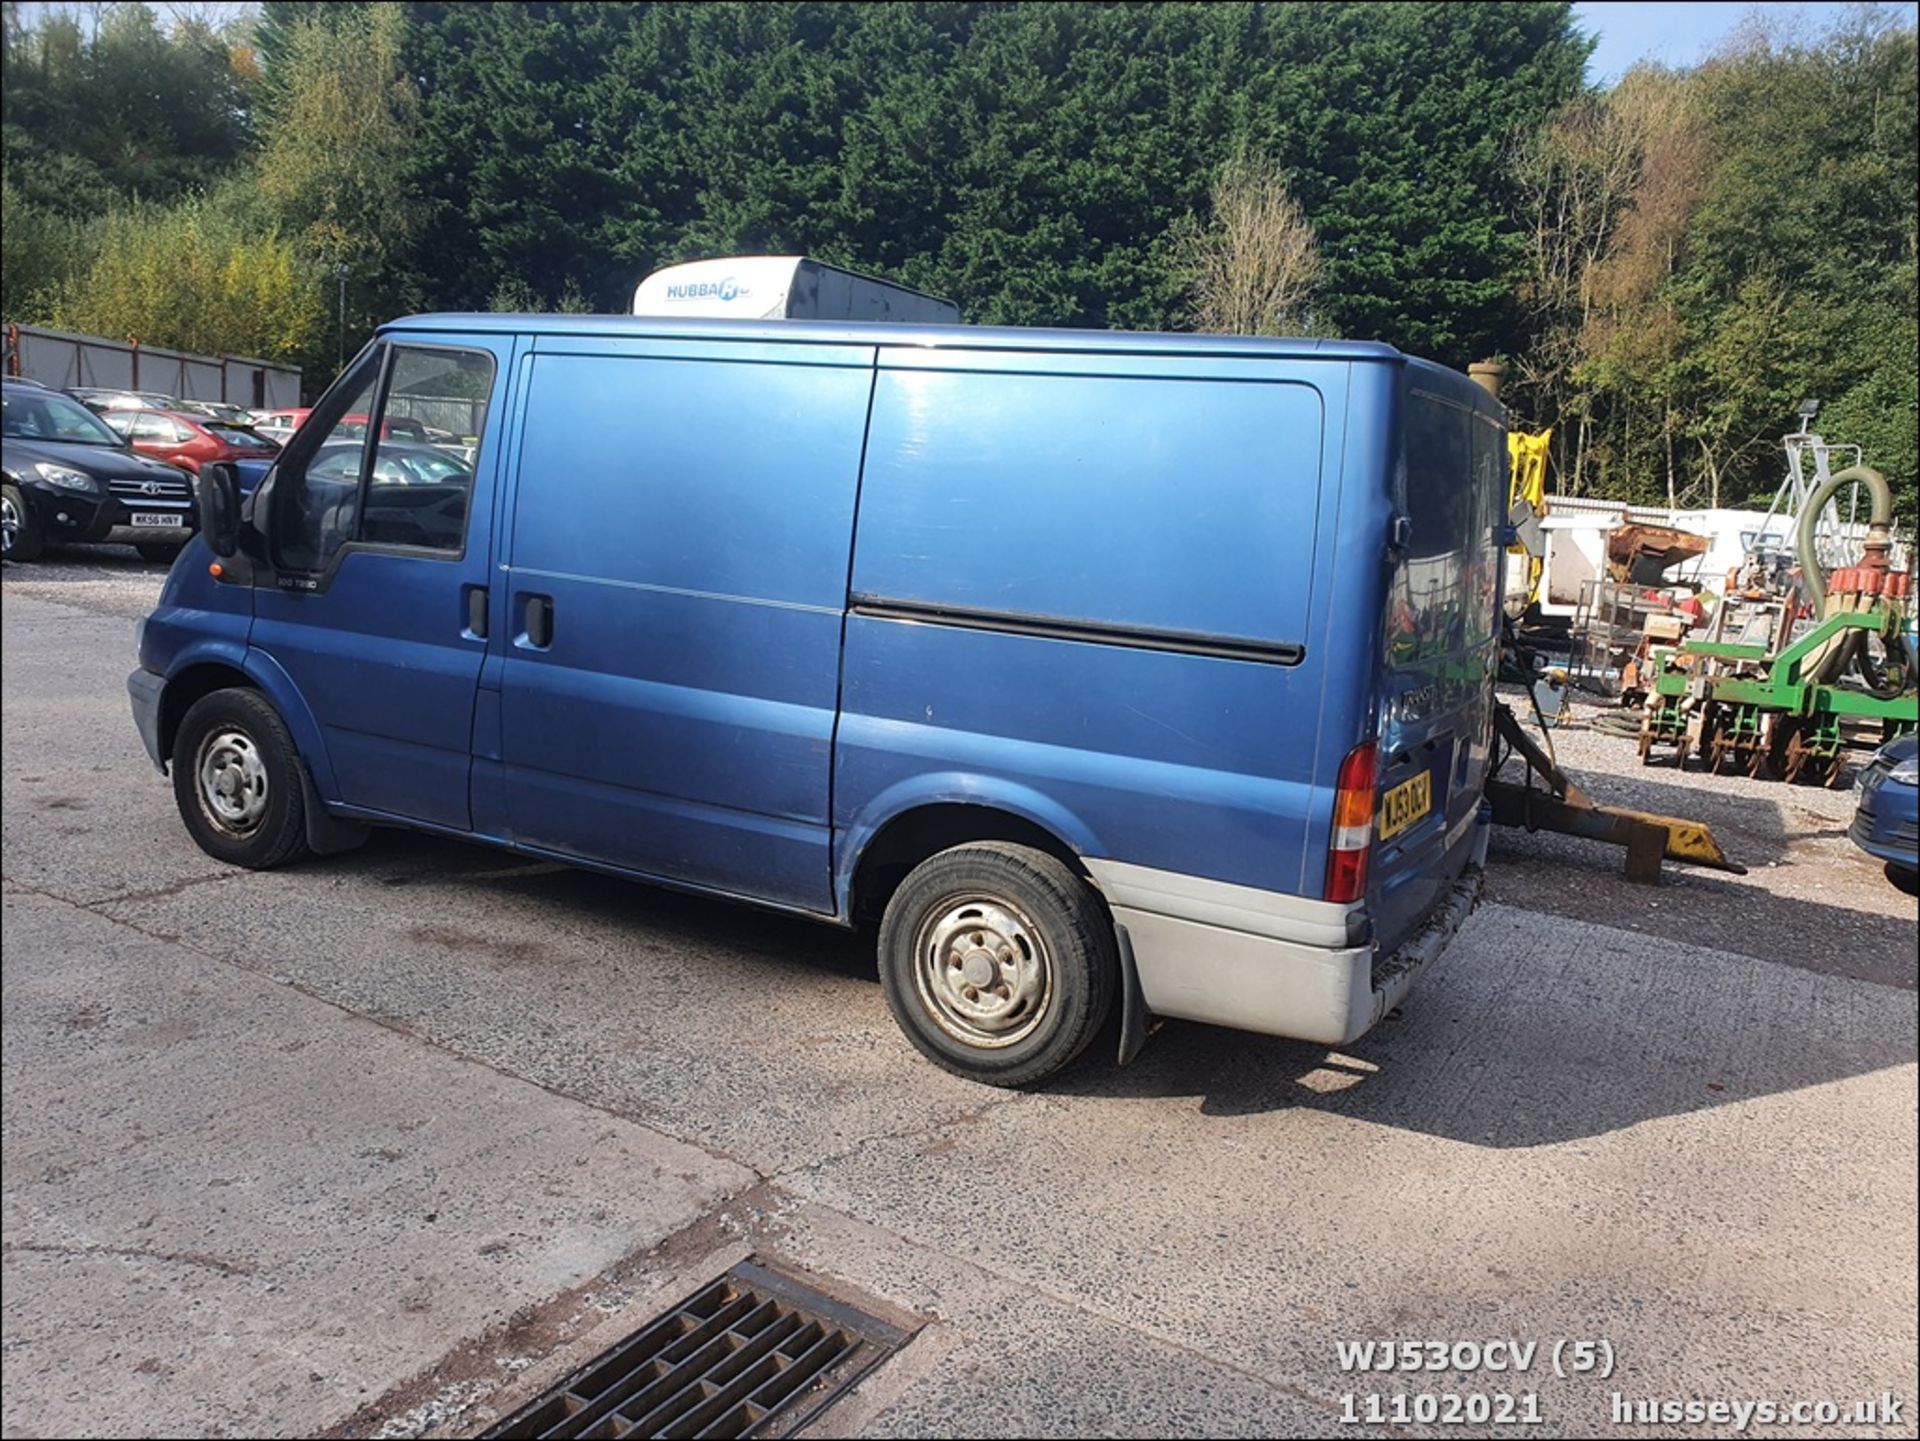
x=1439, y=650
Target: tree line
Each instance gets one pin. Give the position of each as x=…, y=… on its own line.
x=1669, y=264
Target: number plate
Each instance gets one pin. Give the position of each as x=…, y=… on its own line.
x=1405, y=804
x=157, y=520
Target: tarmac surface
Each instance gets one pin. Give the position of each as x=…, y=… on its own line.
x=382, y=1143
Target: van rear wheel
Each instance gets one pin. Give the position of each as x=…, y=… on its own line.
x=236, y=780
x=998, y=962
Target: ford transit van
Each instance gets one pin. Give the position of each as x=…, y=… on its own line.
x=1106, y=676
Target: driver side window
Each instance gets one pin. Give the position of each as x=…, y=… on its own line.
x=316, y=506
x=361, y=469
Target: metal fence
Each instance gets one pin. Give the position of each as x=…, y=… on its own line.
x=65, y=359
x=462, y=417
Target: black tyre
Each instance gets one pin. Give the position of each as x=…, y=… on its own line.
x=998, y=962
x=236, y=780
x=160, y=552
x=25, y=541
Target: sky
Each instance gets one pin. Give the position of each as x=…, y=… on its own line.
x=1684, y=32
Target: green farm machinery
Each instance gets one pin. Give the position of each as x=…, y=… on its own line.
x=1764, y=700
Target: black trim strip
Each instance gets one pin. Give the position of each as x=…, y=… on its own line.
x=1179, y=642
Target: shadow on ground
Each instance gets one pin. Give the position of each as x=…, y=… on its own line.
x=1524, y=1036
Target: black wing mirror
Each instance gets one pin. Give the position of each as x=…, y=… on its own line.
x=220, y=508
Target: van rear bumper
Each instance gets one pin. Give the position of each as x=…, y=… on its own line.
x=1269, y=962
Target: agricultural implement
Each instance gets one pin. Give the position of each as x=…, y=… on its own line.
x=1792, y=705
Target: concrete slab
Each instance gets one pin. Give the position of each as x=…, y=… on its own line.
x=1007, y=1358
x=234, y=1209
x=86, y=814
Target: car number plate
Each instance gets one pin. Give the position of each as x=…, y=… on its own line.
x=158, y=520
x=1405, y=804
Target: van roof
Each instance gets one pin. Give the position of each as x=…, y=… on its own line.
x=942, y=337
x=897, y=333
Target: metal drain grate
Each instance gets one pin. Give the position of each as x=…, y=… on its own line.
x=744, y=1356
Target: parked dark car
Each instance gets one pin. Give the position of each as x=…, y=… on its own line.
x=189, y=441
x=1886, y=825
x=70, y=477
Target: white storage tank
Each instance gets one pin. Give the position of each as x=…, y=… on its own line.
x=789, y=287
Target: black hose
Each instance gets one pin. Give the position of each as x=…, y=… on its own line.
x=1896, y=676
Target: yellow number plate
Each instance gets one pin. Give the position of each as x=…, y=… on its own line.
x=1405, y=804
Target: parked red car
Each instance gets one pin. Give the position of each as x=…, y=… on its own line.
x=189, y=441
x=279, y=425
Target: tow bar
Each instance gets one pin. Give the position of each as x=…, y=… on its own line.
x=1565, y=808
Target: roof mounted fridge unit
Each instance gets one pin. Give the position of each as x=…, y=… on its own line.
x=791, y=287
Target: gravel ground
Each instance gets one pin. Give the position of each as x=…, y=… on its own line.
x=105, y=579
x=1810, y=897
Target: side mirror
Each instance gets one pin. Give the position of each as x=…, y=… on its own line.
x=220, y=509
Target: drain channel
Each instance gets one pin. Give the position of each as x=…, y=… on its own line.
x=754, y=1353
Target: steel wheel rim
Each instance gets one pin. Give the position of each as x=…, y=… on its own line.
x=9, y=521
x=232, y=780
x=983, y=973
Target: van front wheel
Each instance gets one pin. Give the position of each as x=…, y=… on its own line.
x=998, y=962
x=236, y=780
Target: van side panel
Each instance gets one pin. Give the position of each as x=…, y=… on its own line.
x=688, y=508
x=1103, y=580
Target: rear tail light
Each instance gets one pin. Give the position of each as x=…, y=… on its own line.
x=1352, y=841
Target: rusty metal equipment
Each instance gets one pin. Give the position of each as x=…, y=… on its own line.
x=1644, y=553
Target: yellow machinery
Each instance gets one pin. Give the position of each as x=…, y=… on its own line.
x=1526, y=499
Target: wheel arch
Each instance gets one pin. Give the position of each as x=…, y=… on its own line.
x=194, y=682
x=881, y=852
x=202, y=672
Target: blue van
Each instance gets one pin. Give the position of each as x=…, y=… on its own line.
x=1110, y=676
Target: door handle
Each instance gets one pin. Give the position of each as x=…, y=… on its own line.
x=477, y=612
x=539, y=621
